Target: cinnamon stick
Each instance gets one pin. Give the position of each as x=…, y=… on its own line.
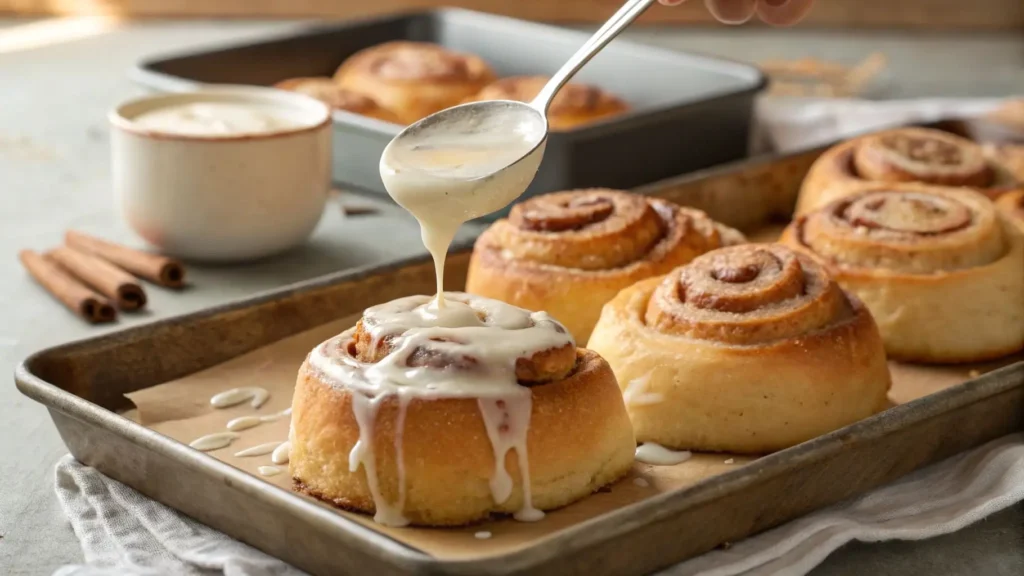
x=109, y=280
x=154, y=267
x=87, y=304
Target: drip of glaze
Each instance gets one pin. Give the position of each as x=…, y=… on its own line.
x=636, y=393
x=446, y=178
x=282, y=454
x=495, y=338
x=214, y=441
x=269, y=470
x=259, y=450
x=362, y=454
x=482, y=535
x=507, y=421
x=246, y=422
x=658, y=455
x=236, y=396
x=641, y=482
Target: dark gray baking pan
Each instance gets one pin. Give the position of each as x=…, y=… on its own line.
x=689, y=111
x=83, y=384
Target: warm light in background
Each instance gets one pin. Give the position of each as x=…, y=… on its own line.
x=54, y=31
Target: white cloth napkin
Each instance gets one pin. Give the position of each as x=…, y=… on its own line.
x=124, y=533
x=786, y=124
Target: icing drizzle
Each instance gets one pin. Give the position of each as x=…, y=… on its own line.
x=494, y=335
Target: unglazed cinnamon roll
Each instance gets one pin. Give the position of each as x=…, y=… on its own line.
x=1012, y=205
x=940, y=269
x=570, y=252
x=1010, y=114
x=443, y=416
x=331, y=93
x=747, y=349
x=904, y=155
x=574, y=105
x=414, y=79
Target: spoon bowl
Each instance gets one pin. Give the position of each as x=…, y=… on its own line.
x=466, y=123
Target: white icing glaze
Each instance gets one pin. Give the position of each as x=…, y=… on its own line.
x=447, y=178
x=494, y=334
x=482, y=535
x=641, y=482
x=282, y=454
x=258, y=450
x=658, y=455
x=246, y=422
x=636, y=393
x=214, y=441
x=212, y=119
x=235, y=396
x=730, y=461
x=269, y=470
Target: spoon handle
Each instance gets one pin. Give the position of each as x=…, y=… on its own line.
x=605, y=34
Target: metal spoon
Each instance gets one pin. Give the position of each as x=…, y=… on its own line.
x=532, y=117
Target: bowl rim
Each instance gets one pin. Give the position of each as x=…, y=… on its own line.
x=319, y=114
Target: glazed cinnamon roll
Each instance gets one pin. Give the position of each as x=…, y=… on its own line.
x=940, y=269
x=444, y=416
x=414, y=79
x=570, y=252
x=574, y=105
x=331, y=93
x=905, y=155
x=747, y=349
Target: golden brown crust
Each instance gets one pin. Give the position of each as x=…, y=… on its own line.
x=414, y=79
x=331, y=93
x=941, y=271
x=579, y=440
x=568, y=253
x=574, y=105
x=1010, y=113
x=747, y=349
x=1012, y=205
x=920, y=155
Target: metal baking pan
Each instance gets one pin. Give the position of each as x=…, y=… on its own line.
x=83, y=384
x=676, y=97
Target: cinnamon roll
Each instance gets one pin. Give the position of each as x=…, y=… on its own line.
x=570, y=252
x=444, y=416
x=940, y=269
x=747, y=349
x=1012, y=205
x=574, y=105
x=331, y=93
x=1010, y=114
x=414, y=79
x=905, y=155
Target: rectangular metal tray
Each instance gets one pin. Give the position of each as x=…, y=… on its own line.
x=675, y=96
x=83, y=383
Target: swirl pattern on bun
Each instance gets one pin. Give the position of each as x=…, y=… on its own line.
x=570, y=252
x=915, y=155
x=414, y=79
x=940, y=269
x=747, y=349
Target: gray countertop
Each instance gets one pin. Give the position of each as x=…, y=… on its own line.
x=54, y=176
